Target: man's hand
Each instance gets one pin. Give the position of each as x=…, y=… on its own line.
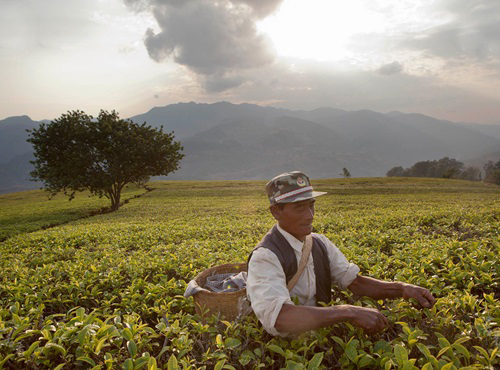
x=378, y=289
x=421, y=295
x=369, y=319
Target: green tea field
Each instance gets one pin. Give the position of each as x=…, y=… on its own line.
x=83, y=289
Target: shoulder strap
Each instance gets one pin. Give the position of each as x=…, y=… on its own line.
x=277, y=243
x=306, y=251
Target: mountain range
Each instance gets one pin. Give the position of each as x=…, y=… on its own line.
x=245, y=141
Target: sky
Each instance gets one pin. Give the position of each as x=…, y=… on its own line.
x=436, y=57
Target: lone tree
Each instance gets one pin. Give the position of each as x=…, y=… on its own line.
x=76, y=153
x=346, y=173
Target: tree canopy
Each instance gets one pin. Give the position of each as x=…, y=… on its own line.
x=492, y=172
x=346, y=173
x=76, y=152
x=444, y=168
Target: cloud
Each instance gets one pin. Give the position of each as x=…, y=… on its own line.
x=445, y=63
x=217, y=83
x=309, y=85
x=261, y=8
x=390, y=69
x=217, y=40
x=471, y=32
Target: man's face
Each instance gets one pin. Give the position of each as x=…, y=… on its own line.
x=296, y=218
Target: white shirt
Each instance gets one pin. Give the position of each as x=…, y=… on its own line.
x=266, y=281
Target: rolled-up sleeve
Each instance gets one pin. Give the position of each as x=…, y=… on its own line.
x=266, y=288
x=343, y=272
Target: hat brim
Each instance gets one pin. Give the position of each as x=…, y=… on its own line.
x=301, y=197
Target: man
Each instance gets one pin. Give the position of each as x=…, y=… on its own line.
x=274, y=261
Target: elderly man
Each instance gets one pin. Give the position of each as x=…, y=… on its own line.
x=275, y=261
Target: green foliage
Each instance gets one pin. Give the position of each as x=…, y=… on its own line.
x=105, y=292
x=447, y=168
x=346, y=173
x=32, y=210
x=492, y=172
x=75, y=153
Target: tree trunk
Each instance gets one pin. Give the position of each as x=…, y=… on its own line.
x=114, y=195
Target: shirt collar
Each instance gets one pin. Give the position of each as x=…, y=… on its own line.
x=292, y=240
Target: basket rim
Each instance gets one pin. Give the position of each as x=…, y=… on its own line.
x=211, y=271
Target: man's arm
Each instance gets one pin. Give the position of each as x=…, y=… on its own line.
x=298, y=319
x=377, y=289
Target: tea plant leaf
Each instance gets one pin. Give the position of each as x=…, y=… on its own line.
x=3, y=361
x=80, y=312
x=82, y=334
x=172, y=363
x=246, y=357
x=366, y=360
x=276, y=349
x=132, y=348
x=493, y=354
x=339, y=341
x=56, y=347
x=152, y=364
x=87, y=360
x=127, y=334
x=315, y=362
x=401, y=354
x=449, y=366
x=30, y=350
x=461, y=340
x=483, y=352
x=351, y=350
x=141, y=362
x=219, y=365
x=128, y=364
x=232, y=343
x=100, y=344
x=443, y=351
x=461, y=349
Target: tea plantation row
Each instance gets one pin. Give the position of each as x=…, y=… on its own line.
x=105, y=292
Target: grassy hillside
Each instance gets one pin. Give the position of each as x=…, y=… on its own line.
x=28, y=211
x=106, y=291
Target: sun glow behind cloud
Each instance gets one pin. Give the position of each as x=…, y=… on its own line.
x=319, y=29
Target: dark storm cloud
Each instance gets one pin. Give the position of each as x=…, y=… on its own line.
x=390, y=69
x=472, y=31
x=214, y=39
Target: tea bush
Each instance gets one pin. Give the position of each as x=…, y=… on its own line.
x=105, y=292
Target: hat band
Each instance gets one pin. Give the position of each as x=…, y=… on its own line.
x=292, y=193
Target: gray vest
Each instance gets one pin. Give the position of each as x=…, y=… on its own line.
x=277, y=243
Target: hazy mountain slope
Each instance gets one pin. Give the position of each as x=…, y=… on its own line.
x=15, y=174
x=257, y=150
x=489, y=130
x=479, y=162
x=228, y=141
x=13, y=137
x=458, y=141
x=375, y=133
x=187, y=119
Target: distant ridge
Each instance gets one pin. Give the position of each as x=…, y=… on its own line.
x=247, y=141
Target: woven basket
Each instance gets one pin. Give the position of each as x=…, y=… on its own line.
x=224, y=303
